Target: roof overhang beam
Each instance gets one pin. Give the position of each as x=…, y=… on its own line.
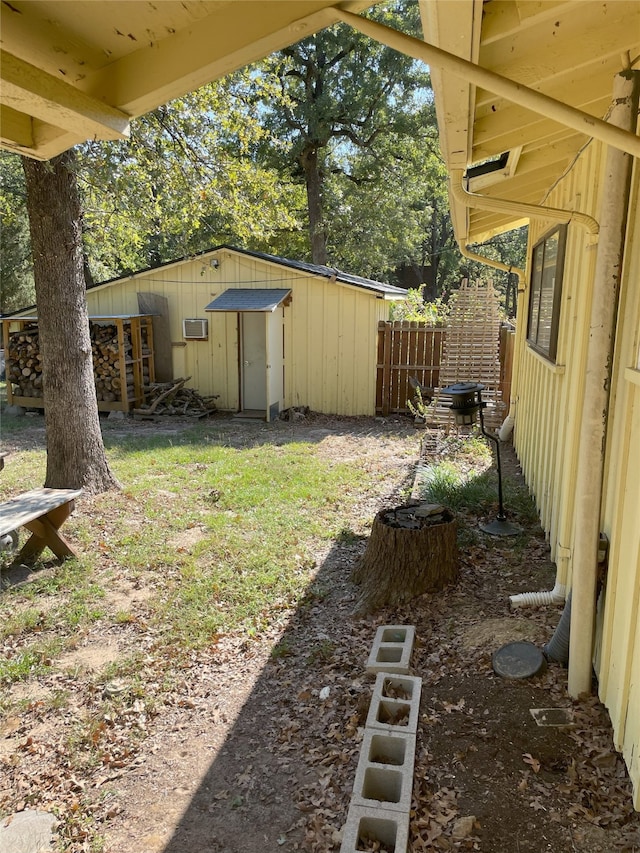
x=515, y=92
x=33, y=92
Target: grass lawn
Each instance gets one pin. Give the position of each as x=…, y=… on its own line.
x=218, y=533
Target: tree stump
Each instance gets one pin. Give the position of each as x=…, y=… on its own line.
x=412, y=549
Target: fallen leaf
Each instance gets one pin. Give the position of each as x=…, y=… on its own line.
x=463, y=827
x=532, y=762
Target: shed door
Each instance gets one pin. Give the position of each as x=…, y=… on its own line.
x=253, y=371
x=275, y=362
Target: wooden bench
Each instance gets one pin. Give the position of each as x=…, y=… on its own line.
x=42, y=512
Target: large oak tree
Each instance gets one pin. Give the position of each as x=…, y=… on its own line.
x=75, y=451
x=336, y=93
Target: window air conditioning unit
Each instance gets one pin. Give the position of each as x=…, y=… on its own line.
x=195, y=330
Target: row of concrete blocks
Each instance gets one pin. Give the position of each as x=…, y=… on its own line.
x=381, y=800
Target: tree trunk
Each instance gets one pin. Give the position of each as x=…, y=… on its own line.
x=317, y=236
x=75, y=452
x=412, y=550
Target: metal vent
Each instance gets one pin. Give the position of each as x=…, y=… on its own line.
x=197, y=330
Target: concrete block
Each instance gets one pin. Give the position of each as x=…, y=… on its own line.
x=365, y=825
x=384, y=775
x=395, y=704
x=393, y=749
x=391, y=650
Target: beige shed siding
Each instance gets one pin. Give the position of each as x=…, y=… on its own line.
x=332, y=351
x=546, y=439
x=330, y=330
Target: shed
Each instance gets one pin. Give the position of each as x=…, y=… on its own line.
x=263, y=333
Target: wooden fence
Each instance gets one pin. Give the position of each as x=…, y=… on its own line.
x=414, y=350
x=405, y=349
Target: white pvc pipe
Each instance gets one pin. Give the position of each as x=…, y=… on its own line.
x=504, y=433
x=595, y=399
x=536, y=599
x=533, y=211
x=517, y=93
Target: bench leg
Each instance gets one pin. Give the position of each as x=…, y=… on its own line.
x=45, y=533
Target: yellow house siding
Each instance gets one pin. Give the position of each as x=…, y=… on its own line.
x=330, y=330
x=549, y=395
x=618, y=664
x=549, y=402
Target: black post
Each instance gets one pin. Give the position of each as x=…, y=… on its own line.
x=496, y=440
x=499, y=527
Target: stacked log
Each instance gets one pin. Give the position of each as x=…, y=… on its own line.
x=24, y=362
x=107, y=362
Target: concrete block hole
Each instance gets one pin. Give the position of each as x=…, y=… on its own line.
x=383, y=785
x=387, y=750
x=394, y=635
x=397, y=688
x=393, y=713
x=389, y=654
x=371, y=829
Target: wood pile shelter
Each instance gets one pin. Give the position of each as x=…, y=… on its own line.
x=123, y=361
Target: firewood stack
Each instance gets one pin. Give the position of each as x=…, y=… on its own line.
x=24, y=362
x=106, y=363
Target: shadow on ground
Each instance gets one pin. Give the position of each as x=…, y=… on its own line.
x=275, y=772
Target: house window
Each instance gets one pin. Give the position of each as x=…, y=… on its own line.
x=547, y=262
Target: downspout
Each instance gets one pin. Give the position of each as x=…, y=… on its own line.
x=469, y=199
x=595, y=400
x=498, y=265
x=533, y=211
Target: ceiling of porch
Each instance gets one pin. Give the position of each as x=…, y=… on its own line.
x=80, y=69
x=567, y=50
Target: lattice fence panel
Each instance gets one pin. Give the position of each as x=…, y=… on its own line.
x=471, y=352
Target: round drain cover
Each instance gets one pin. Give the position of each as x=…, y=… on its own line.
x=518, y=660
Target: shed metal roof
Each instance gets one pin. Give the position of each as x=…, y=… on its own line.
x=249, y=299
x=332, y=273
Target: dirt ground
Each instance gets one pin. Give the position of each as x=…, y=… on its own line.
x=242, y=755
